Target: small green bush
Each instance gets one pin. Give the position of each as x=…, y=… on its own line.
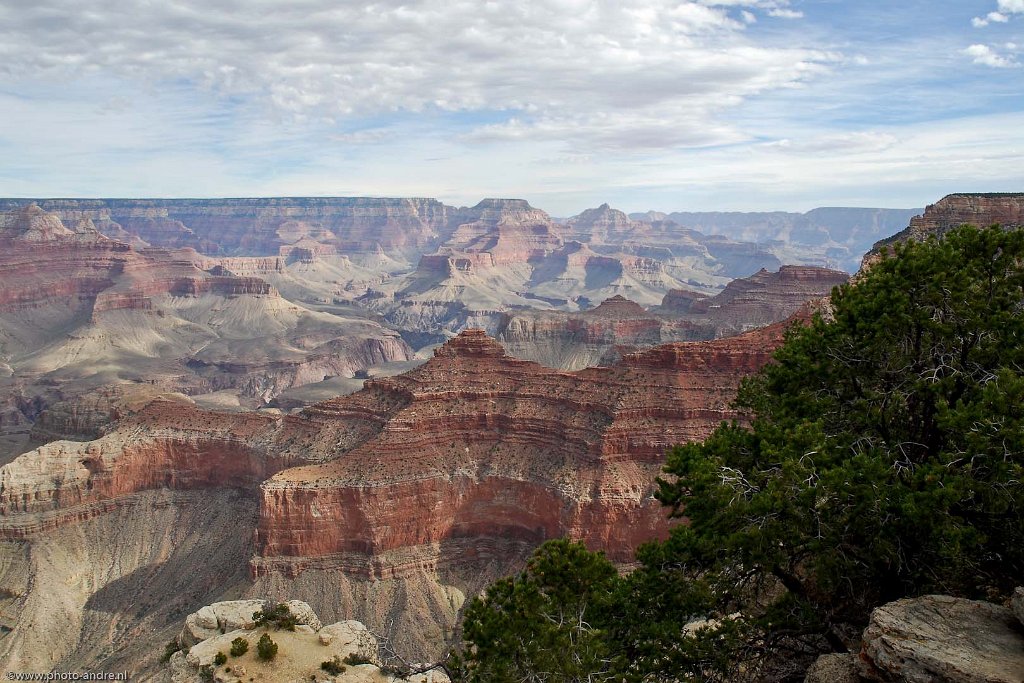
x=355, y=659
x=169, y=650
x=266, y=648
x=278, y=616
x=333, y=666
x=239, y=646
x=220, y=658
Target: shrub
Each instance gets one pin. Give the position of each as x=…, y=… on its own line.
x=355, y=659
x=169, y=650
x=220, y=658
x=278, y=616
x=266, y=648
x=239, y=646
x=333, y=666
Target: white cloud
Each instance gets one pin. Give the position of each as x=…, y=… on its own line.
x=991, y=17
x=612, y=72
x=983, y=54
x=861, y=142
x=785, y=13
x=1001, y=16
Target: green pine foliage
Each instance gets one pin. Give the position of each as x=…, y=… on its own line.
x=266, y=648
x=546, y=623
x=239, y=646
x=882, y=458
x=278, y=616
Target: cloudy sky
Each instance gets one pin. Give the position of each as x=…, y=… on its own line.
x=645, y=104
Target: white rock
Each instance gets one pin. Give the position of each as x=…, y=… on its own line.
x=347, y=637
x=217, y=618
x=206, y=617
x=303, y=613
x=236, y=614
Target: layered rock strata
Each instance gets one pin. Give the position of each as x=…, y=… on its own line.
x=602, y=335
x=407, y=495
x=954, y=210
x=261, y=226
x=482, y=446
x=81, y=313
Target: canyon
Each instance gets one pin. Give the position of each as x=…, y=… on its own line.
x=374, y=406
x=618, y=326
x=278, y=303
x=390, y=505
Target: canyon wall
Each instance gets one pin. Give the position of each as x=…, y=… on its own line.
x=400, y=499
x=602, y=335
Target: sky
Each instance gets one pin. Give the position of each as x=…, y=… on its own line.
x=644, y=104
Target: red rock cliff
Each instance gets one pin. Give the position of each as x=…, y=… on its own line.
x=982, y=210
x=475, y=445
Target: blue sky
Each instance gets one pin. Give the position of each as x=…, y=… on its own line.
x=645, y=104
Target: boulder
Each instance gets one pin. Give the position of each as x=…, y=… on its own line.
x=1017, y=604
x=303, y=614
x=220, y=617
x=346, y=637
x=940, y=639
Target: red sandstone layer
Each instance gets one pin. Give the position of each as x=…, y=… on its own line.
x=475, y=444
x=425, y=467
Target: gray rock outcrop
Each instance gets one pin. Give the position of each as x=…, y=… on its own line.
x=940, y=639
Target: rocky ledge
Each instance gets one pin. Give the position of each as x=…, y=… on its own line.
x=209, y=648
x=954, y=210
x=934, y=639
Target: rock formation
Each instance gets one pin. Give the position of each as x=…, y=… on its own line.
x=981, y=210
x=343, y=652
x=80, y=312
x=840, y=234
x=260, y=226
x=939, y=638
x=429, y=269
x=399, y=499
x=600, y=336
x=495, y=448
x=933, y=638
x=759, y=300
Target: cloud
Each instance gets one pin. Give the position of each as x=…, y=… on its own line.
x=785, y=13
x=991, y=17
x=1001, y=16
x=983, y=54
x=860, y=142
x=612, y=73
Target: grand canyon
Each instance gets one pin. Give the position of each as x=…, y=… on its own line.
x=375, y=406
